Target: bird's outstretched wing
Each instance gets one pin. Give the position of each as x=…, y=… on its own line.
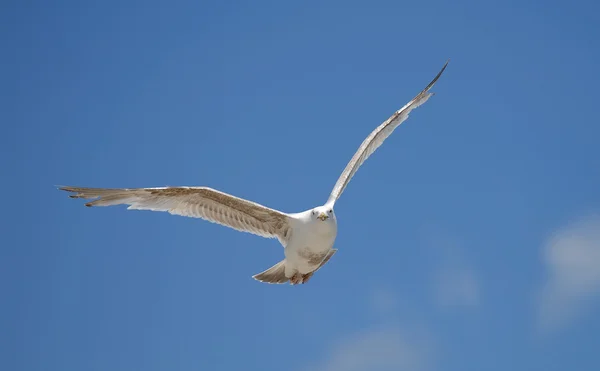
x=377, y=136
x=196, y=202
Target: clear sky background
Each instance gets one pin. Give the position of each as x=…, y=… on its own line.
x=469, y=241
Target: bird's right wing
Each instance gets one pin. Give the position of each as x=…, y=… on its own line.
x=197, y=202
x=376, y=138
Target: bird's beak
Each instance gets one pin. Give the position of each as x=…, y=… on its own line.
x=323, y=216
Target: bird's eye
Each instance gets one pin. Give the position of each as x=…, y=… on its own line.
x=313, y=212
x=330, y=211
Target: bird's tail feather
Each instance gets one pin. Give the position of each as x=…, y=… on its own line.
x=275, y=274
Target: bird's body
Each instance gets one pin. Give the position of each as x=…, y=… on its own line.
x=311, y=241
x=307, y=237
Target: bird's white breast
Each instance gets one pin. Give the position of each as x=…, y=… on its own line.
x=310, y=242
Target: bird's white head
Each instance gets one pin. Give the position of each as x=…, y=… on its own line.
x=323, y=213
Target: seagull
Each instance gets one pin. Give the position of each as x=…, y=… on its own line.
x=307, y=237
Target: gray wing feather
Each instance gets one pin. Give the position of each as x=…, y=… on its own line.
x=378, y=136
x=196, y=202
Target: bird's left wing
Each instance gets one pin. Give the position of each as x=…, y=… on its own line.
x=377, y=136
x=197, y=202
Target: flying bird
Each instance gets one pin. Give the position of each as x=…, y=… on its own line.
x=307, y=237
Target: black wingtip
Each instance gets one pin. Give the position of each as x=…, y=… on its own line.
x=435, y=79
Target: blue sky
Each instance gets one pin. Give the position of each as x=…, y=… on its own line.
x=469, y=241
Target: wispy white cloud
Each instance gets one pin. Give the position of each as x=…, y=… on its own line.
x=379, y=349
x=572, y=259
x=457, y=287
x=389, y=346
x=456, y=282
x=384, y=302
